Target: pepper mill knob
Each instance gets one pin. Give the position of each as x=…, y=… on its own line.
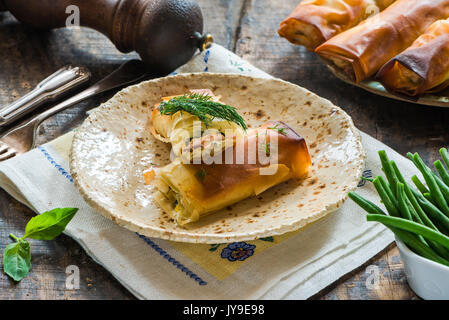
x=165, y=33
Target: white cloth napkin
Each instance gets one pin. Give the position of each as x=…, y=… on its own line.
x=292, y=267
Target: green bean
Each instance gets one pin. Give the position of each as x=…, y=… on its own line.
x=423, y=218
x=442, y=184
x=443, y=187
x=445, y=155
x=439, y=191
x=411, y=198
x=391, y=208
x=435, y=191
x=415, y=216
x=429, y=198
x=442, y=171
x=410, y=203
x=368, y=206
x=404, y=210
x=432, y=211
x=419, y=215
x=387, y=188
x=408, y=212
x=388, y=170
x=397, y=172
x=410, y=226
x=419, y=228
x=438, y=248
x=413, y=243
x=419, y=184
x=441, y=250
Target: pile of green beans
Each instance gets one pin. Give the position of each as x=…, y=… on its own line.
x=418, y=216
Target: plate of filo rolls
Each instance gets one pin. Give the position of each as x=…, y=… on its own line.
x=395, y=48
x=216, y=158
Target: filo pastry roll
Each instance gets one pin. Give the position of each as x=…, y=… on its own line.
x=361, y=51
x=179, y=129
x=190, y=191
x=315, y=21
x=423, y=67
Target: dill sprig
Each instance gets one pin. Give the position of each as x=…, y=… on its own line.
x=202, y=106
x=201, y=174
x=280, y=130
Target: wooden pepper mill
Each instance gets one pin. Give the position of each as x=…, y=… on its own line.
x=165, y=33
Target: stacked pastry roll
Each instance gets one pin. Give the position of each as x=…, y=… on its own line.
x=361, y=51
x=246, y=166
x=423, y=67
x=405, y=46
x=315, y=21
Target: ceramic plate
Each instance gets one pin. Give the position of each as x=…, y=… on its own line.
x=440, y=99
x=114, y=147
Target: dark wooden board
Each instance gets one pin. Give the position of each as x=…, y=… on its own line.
x=247, y=27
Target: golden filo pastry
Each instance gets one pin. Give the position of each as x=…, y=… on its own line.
x=423, y=67
x=315, y=21
x=361, y=51
x=186, y=131
x=189, y=191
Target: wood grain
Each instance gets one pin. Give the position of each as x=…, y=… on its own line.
x=248, y=27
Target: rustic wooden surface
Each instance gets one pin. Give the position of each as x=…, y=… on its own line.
x=247, y=27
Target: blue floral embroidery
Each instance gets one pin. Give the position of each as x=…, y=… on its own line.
x=238, y=251
x=268, y=239
x=206, y=60
x=367, y=174
x=237, y=64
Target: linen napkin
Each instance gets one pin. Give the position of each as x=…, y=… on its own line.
x=292, y=266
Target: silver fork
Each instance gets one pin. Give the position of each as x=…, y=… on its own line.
x=22, y=138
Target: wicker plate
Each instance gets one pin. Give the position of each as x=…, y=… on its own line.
x=113, y=148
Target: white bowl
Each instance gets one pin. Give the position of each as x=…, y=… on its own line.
x=428, y=279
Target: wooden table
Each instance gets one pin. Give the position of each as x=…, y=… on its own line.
x=247, y=27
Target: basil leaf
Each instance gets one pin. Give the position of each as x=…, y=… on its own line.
x=50, y=224
x=17, y=260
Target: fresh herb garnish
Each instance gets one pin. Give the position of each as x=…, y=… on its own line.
x=280, y=130
x=47, y=226
x=266, y=145
x=17, y=259
x=267, y=149
x=201, y=174
x=202, y=106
